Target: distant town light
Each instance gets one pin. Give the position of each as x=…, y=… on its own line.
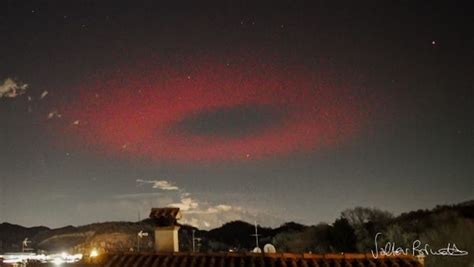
x=58, y=261
x=94, y=253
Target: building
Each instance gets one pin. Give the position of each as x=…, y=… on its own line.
x=167, y=254
x=166, y=231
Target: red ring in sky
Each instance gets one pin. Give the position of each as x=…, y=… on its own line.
x=133, y=112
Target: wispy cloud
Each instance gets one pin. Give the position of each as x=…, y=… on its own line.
x=203, y=214
x=54, y=114
x=158, y=184
x=186, y=204
x=44, y=94
x=11, y=88
x=138, y=195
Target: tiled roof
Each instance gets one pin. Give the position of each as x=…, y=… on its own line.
x=257, y=260
x=165, y=216
x=165, y=212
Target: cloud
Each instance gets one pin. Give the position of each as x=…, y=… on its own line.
x=158, y=184
x=193, y=209
x=207, y=215
x=11, y=88
x=222, y=207
x=138, y=195
x=203, y=214
x=54, y=114
x=186, y=204
x=203, y=211
x=44, y=94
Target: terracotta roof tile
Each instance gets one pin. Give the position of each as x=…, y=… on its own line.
x=164, y=212
x=255, y=260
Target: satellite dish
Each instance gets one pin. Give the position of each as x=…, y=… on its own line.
x=269, y=248
x=257, y=250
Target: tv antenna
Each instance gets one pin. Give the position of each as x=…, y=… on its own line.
x=194, y=241
x=25, y=245
x=257, y=248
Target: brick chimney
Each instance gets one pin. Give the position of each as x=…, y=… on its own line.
x=166, y=231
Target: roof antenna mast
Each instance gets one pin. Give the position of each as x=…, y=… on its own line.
x=257, y=248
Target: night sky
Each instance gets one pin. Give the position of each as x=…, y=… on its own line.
x=270, y=112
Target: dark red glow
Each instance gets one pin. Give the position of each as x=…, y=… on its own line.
x=131, y=112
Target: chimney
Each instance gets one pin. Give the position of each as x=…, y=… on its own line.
x=166, y=231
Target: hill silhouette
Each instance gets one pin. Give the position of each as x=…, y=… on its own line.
x=354, y=231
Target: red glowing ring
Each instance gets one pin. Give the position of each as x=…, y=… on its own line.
x=145, y=112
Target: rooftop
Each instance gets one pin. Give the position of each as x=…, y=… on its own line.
x=256, y=260
x=165, y=212
x=165, y=216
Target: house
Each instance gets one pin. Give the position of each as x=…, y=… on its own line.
x=167, y=255
x=166, y=231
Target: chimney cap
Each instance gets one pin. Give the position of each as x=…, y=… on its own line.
x=167, y=216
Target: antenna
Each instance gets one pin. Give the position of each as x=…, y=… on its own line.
x=194, y=245
x=194, y=241
x=257, y=248
x=25, y=245
x=269, y=248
